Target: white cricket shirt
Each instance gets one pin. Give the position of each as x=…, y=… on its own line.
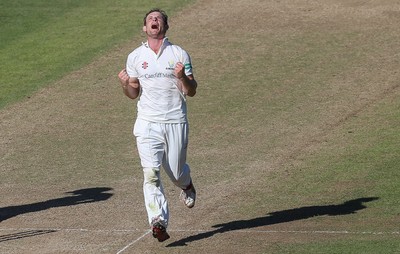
x=160, y=98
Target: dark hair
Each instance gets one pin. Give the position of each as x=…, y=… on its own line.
x=163, y=14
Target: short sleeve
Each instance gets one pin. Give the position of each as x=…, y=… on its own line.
x=131, y=65
x=186, y=61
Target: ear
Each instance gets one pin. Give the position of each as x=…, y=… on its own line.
x=144, y=29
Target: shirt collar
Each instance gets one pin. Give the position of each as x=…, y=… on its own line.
x=164, y=44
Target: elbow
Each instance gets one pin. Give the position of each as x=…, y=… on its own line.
x=193, y=90
x=131, y=94
x=191, y=93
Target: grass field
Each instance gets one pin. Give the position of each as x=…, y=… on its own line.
x=41, y=41
x=294, y=131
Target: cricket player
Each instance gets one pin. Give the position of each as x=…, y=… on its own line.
x=160, y=74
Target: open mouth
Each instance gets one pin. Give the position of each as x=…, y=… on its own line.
x=154, y=26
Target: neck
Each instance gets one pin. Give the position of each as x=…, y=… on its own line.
x=155, y=43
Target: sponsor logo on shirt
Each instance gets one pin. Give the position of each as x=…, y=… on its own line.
x=171, y=65
x=159, y=75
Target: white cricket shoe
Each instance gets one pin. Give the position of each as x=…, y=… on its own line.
x=188, y=196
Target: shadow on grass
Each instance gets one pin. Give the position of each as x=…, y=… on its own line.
x=75, y=197
x=348, y=207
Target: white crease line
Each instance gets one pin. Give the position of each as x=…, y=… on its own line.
x=294, y=231
x=216, y=230
x=320, y=232
x=138, y=239
x=74, y=229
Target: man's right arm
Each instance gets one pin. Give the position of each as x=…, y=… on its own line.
x=130, y=85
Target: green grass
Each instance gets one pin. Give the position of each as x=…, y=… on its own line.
x=43, y=40
x=371, y=246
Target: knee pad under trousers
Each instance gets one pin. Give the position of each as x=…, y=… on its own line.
x=152, y=176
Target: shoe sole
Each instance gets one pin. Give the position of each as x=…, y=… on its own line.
x=160, y=232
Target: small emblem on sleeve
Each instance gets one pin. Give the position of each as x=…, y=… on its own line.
x=188, y=66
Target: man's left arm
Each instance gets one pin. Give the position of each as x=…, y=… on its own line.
x=189, y=84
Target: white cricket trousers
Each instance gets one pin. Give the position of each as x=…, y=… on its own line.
x=161, y=144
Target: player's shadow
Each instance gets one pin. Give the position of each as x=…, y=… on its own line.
x=348, y=207
x=75, y=197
